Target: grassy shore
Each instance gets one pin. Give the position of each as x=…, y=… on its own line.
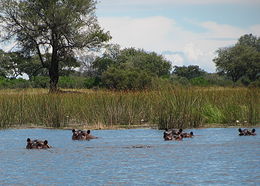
x=172, y=107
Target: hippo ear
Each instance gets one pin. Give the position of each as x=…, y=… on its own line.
x=45, y=142
x=28, y=139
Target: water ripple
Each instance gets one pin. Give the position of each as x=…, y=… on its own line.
x=130, y=157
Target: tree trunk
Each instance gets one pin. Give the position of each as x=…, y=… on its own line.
x=54, y=73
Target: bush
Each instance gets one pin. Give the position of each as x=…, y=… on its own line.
x=71, y=82
x=40, y=82
x=91, y=82
x=14, y=83
x=199, y=81
x=255, y=84
x=177, y=80
x=122, y=79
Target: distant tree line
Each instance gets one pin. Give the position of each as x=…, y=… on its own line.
x=135, y=69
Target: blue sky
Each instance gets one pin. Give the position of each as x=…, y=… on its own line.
x=186, y=32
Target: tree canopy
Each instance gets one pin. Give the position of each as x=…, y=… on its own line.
x=189, y=72
x=129, y=68
x=54, y=30
x=240, y=60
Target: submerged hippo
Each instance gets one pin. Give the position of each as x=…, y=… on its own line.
x=246, y=132
x=187, y=135
x=167, y=135
x=176, y=134
x=37, y=144
x=82, y=135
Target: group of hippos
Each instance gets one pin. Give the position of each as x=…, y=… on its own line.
x=169, y=134
x=76, y=135
x=176, y=134
x=246, y=132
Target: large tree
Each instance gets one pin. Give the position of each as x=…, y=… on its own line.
x=240, y=60
x=55, y=30
x=129, y=68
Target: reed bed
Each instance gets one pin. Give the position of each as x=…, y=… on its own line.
x=168, y=108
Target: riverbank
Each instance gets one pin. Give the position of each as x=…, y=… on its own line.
x=121, y=127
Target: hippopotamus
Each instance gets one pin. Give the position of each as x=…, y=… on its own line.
x=177, y=134
x=176, y=131
x=246, y=132
x=178, y=137
x=167, y=135
x=37, y=144
x=82, y=135
x=187, y=135
x=172, y=134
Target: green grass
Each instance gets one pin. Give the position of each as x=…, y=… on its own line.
x=172, y=108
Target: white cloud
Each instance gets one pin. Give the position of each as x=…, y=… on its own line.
x=161, y=34
x=140, y=33
x=176, y=59
x=222, y=30
x=192, y=52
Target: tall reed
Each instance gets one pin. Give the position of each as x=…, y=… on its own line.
x=168, y=108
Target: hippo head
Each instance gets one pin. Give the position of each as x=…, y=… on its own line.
x=45, y=142
x=167, y=136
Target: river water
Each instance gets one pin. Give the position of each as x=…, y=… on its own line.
x=215, y=156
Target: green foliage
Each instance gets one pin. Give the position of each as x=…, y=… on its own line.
x=121, y=79
x=241, y=60
x=255, y=84
x=199, y=81
x=150, y=62
x=178, y=80
x=13, y=83
x=212, y=114
x=53, y=30
x=90, y=82
x=40, y=82
x=72, y=82
x=172, y=107
x=129, y=69
x=215, y=79
x=189, y=72
x=250, y=40
x=11, y=64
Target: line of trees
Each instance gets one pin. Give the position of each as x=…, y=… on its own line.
x=123, y=69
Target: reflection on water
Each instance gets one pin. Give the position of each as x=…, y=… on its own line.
x=130, y=157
